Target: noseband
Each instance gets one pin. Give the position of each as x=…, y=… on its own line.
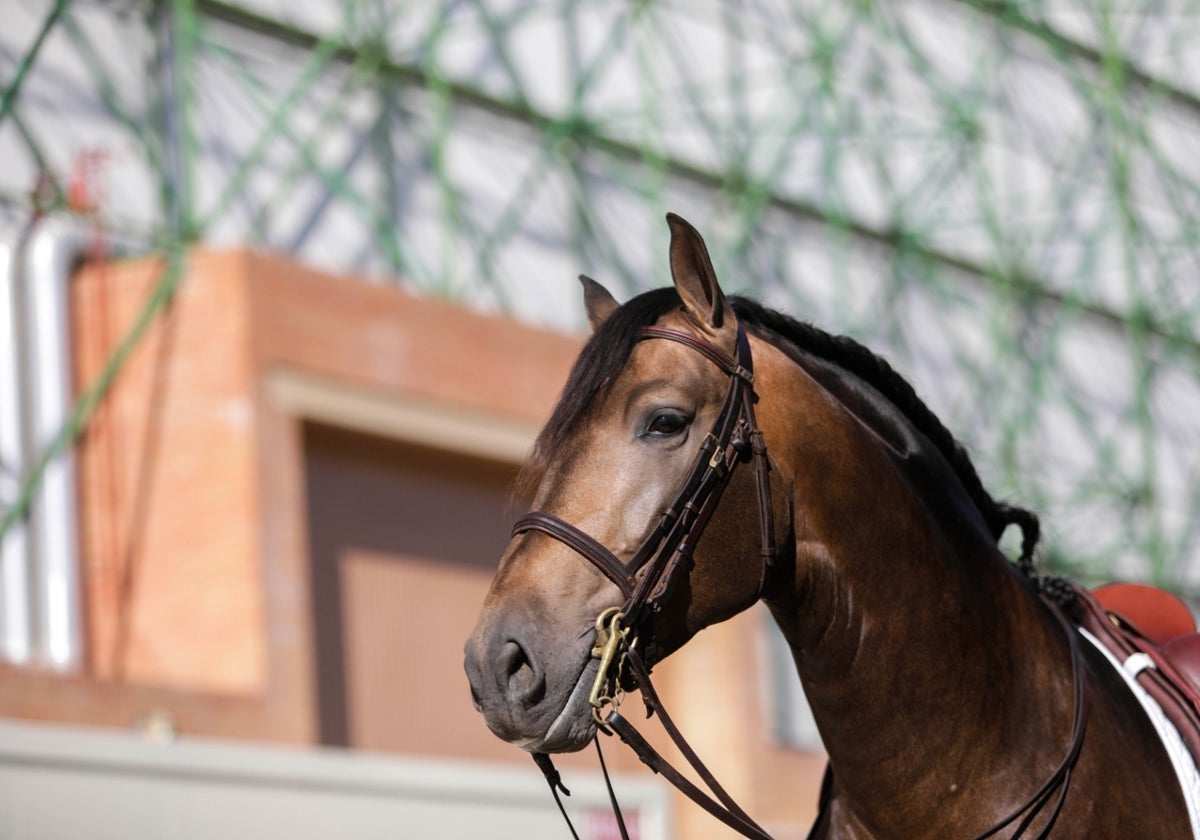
x=649, y=577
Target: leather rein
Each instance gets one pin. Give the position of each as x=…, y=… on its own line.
x=650, y=576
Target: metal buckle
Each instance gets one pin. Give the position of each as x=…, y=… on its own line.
x=609, y=638
x=717, y=460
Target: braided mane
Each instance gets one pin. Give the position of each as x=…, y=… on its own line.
x=874, y=370
x=607, y=352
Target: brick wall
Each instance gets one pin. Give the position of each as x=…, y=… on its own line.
x=195, y=532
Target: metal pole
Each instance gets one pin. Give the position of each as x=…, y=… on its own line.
x=175, y=24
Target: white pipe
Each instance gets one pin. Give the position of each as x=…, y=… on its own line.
x=16, y=620
x=51, y=254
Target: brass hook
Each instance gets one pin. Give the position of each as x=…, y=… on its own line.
x=609, y=636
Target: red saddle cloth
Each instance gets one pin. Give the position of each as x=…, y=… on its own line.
x=1131, y=619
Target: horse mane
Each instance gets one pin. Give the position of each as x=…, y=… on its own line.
x=607, y=352
x=875, y=371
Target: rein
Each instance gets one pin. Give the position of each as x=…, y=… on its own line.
x=1060, y=779
x=649, y=577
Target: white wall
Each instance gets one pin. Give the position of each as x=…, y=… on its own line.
x=62, y=783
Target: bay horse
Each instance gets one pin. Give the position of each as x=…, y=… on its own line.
x=953, y=699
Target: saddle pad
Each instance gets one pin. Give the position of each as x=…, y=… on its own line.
x=1169, y=700
x=1181, y=759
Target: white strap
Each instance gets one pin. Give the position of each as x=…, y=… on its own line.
x=1136, y=663
x=1181, y=759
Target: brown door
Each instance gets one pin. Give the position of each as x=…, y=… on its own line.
x=403, y=543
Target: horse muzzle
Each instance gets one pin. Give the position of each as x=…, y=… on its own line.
x=535, y=700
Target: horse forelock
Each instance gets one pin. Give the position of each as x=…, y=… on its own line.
x=600, y=361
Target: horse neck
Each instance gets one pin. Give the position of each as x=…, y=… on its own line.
x=923, y=657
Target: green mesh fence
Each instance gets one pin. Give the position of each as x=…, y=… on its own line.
x=1000, y=197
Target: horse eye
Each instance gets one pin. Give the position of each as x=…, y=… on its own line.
x=666, y=424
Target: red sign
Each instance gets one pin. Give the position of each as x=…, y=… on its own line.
x=602, y=825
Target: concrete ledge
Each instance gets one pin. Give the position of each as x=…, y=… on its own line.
x=74, y=782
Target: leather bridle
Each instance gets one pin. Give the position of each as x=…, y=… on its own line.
x=648, y=579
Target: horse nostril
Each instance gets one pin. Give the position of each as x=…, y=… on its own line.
x=525, y=682
x=512, y=659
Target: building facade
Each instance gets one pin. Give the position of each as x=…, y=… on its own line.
x=291, y=503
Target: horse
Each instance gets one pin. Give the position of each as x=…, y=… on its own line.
x=952, y=696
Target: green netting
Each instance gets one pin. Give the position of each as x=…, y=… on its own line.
x=1001, y=197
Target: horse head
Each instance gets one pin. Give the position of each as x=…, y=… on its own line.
x=609, y=465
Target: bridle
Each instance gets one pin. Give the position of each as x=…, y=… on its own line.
x=648, y=579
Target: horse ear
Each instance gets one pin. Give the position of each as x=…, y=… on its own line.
x=693, y=274
x=597, y=300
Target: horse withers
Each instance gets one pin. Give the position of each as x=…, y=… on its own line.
x=953, y=698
